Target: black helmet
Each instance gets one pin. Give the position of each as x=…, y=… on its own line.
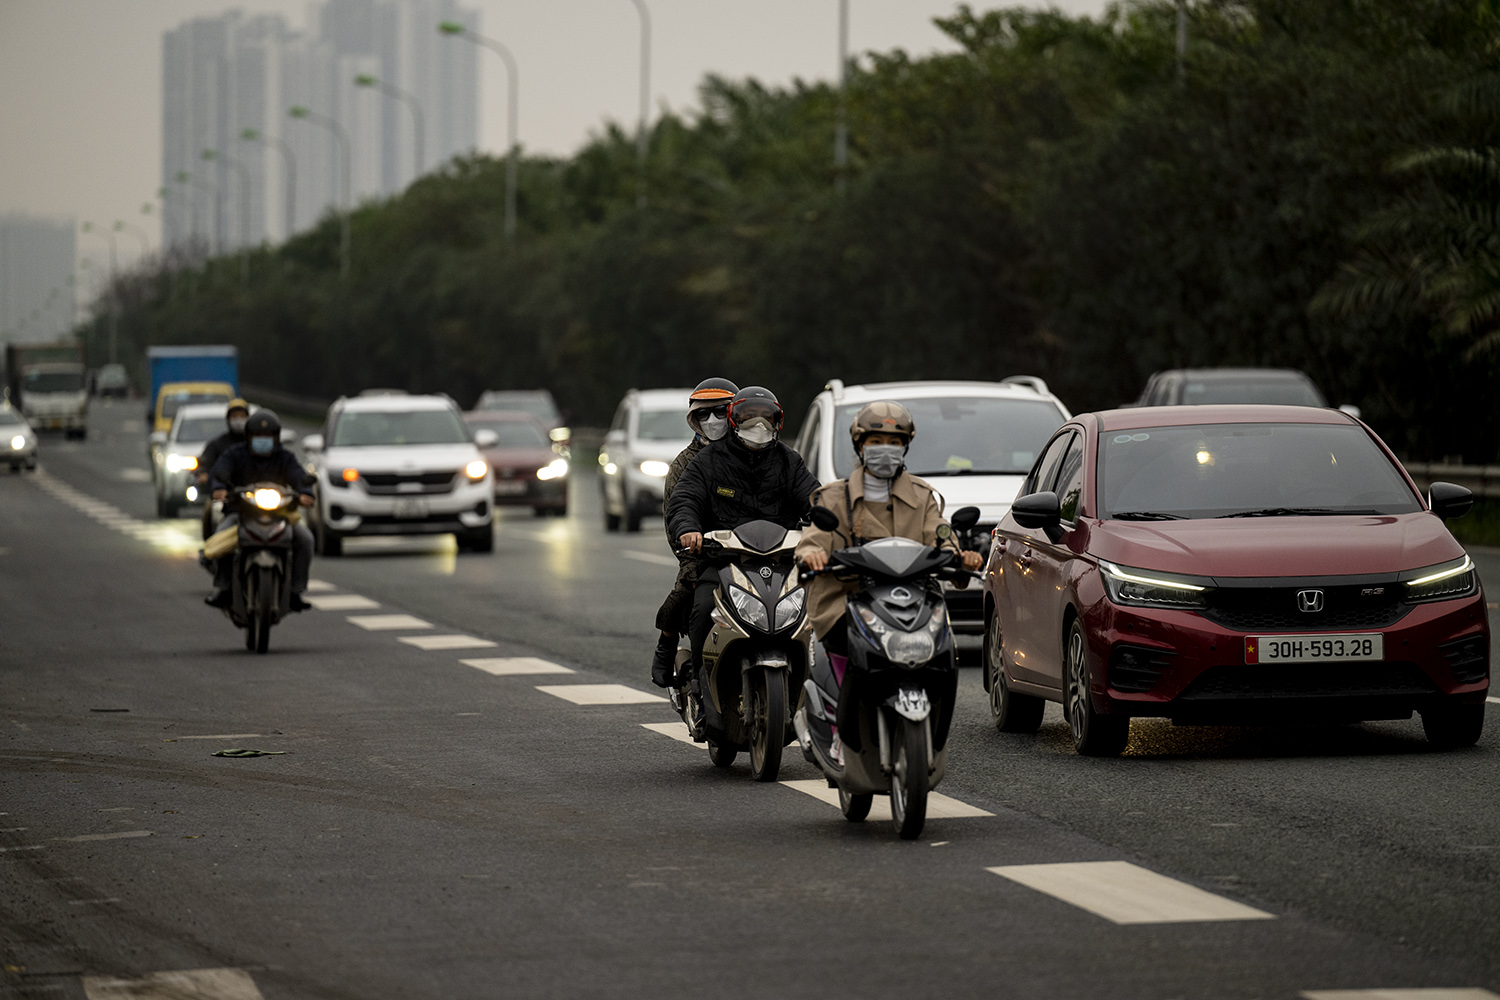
x=755, y=401
x=263, y=423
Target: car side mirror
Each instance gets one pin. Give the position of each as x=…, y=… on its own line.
x=159, y=438
x=1350, y=409
x=1037, y=510
x=486, y=438
x=288, y=437
x=964, y=518
x=824, y=518
x=1448, y=500
x=313, y=442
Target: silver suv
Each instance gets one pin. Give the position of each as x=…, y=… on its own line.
x=392, y=464
x=649, y=430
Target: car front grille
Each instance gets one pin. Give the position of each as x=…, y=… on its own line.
x=1308, y=680
x=408, y=483
x=1467, y=658
x=1276, y=609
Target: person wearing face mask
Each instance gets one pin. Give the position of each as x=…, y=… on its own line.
x=747, y=475
x=235, y=416
x=260, y=458
x=708, y=416
x=880, y=499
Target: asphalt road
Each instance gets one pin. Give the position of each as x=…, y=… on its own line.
x=435, y=829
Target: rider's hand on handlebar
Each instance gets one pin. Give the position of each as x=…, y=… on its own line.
x=305, y=500
x=692, y=541
x=973, y=561
x=220, y=494
x=815, y=562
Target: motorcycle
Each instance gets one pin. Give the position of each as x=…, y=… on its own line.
x=893, y=707
x=261, y=582
x=755, y=658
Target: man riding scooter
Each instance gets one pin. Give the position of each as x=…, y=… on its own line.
x=235, y=416
x=260, y=458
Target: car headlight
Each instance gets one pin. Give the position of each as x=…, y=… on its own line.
x=1443, y=582
x=561, y=435
x=265, y=499
x=181, y=463
x=1148, y=589
x=555, y=469
x=655, y=468
x=476, y=469
x=749, y=607
x=192, y=493
x=789, y=608
x=18, y=442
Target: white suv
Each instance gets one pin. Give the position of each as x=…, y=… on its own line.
x=649, y=430
x=392, y=464
x=975, y=443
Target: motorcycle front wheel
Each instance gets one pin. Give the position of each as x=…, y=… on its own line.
x=909, y=778
x=768, y=721
x=855, y=806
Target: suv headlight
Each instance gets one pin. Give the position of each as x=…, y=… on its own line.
x=789, y=608
x=181, y=463
x=1442, y=582
x=476, y=469
x=18, y=442
x=652, y=467
x=1144, y=588
x=555, y=469
x=749, y=607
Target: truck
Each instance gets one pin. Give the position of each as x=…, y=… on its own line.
x=188, y=372
x=49, y=383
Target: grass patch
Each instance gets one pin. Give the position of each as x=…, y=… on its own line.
x=1480, y=526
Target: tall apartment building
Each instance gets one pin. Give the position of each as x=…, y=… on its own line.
x=228, y=74
x=37, y=295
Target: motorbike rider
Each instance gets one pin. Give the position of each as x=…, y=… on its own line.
x=880, y=499
x=708, y=416
x=747, y=475
x=260, y=458
x=235, y=416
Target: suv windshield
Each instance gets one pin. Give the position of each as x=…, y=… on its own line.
x=8, y=417
x=200, y=428
x=662, y=425
x=1217, y=470
x=512, y=433
x=963, y=435
x=1281, y=392
x=372, y=428
x=52, y=382
x=534, y=402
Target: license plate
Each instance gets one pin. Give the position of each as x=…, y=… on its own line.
x=409, y=508
x=509, y=488
x=1338, y=647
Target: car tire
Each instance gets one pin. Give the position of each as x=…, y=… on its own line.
x=1094, y=734
x=611, y=521
x=165, y=508
x=1011, y=712
x=1453, y=727
x=539, y=512
x=330, y=542
x=478, y=540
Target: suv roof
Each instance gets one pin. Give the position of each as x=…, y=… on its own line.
x=662, y=399
x=1015, y=387
x=394, y=403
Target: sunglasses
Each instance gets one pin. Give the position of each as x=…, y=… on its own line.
x=712, y=411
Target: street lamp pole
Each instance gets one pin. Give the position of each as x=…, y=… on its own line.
x=642, y=138
x=841, y=128
x=297, y=111
x=419, y=159
x=460, y=31
x=253, y=135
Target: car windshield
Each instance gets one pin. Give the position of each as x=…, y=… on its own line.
x=1218, y=470
x=662, y=425
x=1281, y=392
x=963, y=435
x=200, y=428
x=372, y=428
x=8, y=417
x=171, y=404
x=512, y=433
x=52, y=382
x=537, y=404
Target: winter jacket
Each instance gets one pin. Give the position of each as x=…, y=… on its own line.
x=217, y=447
x=727, y=485
x=240, y=467
x=679, y=465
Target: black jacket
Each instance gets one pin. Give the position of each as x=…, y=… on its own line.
x=728, y=484
x=240, y=467
x=217, y=447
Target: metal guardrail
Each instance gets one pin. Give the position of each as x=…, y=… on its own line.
x=1481, y=480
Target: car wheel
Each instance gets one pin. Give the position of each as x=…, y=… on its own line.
x=478, y=540
x=1011, y=712
x=1094, y=734
x=330, y=542
x=1453, y=727
x=539, y=512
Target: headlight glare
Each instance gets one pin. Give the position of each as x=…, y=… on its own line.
x=749, y=607
x=181, y=463
x=1145, y=588
x=555, y=469
x=18, y=442
x=654, y=468
x=265, y=499
x=476, y=469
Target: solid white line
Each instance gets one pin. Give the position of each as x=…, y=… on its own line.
x=88, y=837
x=384, y=623
x=223, y=736
x=1127, y=894
x=599, y=694
x=676, y=730
x=192, y=984
x=507, y=666
x=319, y=586
x=341, y=602
x=1439, y=993
x=1495, y=700
x=444, y=641
x=654, y=558
x=939, y=806
x=29, y=847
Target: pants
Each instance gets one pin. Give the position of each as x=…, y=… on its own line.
x=700, y=621
x=302, y=553
x=674, y=612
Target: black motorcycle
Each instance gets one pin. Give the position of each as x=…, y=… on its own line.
x=261, y=583
x=895, y=704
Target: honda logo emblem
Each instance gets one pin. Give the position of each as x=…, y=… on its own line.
x=1310, y=601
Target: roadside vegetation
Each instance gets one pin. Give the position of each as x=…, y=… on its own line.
x=1313, y=187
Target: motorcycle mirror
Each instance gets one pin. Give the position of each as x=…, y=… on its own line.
x=964, y=518
x=827, y=519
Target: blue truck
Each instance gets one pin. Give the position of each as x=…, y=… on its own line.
x=210, y=372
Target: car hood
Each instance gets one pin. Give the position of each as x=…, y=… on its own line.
x=397, y=458
x=991, y=494
x=1337, y=545
x=664, y=451
x=519, y=458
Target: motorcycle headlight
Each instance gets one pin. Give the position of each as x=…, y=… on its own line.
x=749, y=607
x=555, y=469
x=18, y=442
x=181, y=463
x=910, y=648
x=265, y=499
x=1443, y=582
x=1148, y=589
x=789, y=608
x=476, y=469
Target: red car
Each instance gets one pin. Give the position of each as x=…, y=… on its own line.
x=530, y=470
x=1231, y=564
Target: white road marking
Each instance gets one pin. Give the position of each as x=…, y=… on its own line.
x=319, y=586
x=650, y=557
x=224, y=736
x=939, y=806
x=192, y=984
x=1495, y=700
x=507, y=666
x=341, y=602
x=1438, y=993
x=89, y=837
x=1124, y=893
x=28, y=847
x=599, y=694
x=86, y=902
x=136, y=475
x=385, y=623
x=445, y=641
x=676, y=730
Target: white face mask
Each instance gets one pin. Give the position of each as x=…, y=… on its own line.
x=756, y=433
x=238, y=425
x=713, y=428
x=883, y=461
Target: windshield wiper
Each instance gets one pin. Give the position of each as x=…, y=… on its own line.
x=1296, y=512
x=1146, y=515
x=972, y=472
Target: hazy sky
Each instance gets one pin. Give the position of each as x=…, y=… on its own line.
x=80, y=80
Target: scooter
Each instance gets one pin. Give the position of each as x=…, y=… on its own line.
x=756, y=657
x=261, y=583
x=892, y=707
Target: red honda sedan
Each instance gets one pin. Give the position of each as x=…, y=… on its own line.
x=1231, y=564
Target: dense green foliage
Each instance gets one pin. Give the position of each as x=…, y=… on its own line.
x=1311, y=188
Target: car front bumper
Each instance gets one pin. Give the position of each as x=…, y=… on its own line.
x=349, y=510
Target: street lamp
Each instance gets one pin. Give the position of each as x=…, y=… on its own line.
x=841, y=128
x=419, y=161
x=460, y=31
x=253, y=135
x=641, y=139
x=303, y=114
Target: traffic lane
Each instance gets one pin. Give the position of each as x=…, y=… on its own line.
x=408, y=846
x=1487, y=564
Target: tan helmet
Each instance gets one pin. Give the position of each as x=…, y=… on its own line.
x=882, y=417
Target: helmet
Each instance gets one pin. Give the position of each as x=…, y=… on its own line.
x=882, y=417
x=712, y=390
x=236, y=404
x=755, y=401
x=261, y=424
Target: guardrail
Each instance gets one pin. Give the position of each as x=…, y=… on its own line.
x=285, y=403
x=1481, y=480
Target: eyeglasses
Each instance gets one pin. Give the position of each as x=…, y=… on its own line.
x=711, y=411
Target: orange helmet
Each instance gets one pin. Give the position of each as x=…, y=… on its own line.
x=712, y=391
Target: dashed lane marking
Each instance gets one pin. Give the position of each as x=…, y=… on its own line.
x=654, y=558
x=27, y=847
x=445, y=641
x=90, y=837
x=319, y=586
x=387, y=623
x=675, y=730
x=131, y=475
x=508, y=666
x=341, y=602
x=1439, y=993
x=177, y=538
x=939, y=806
x=224, y=736
x=599, y=694
x=1124, y=893
x=191, y=984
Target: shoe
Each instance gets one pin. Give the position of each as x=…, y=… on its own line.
x=836, y=750
x=217, y=599
x=663, y=661
x=299, y=603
